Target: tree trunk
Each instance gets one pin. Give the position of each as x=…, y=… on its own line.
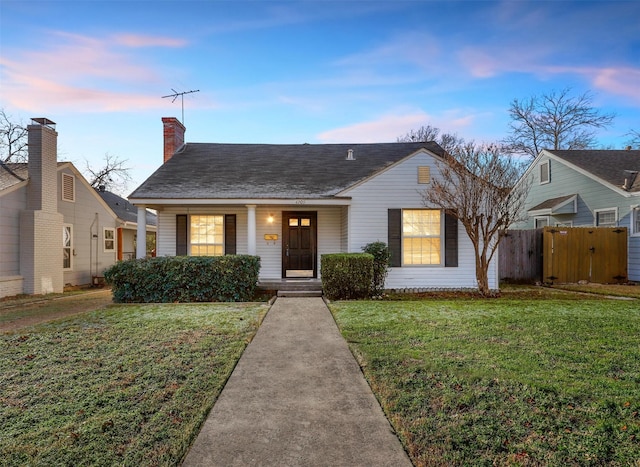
x=482, y=276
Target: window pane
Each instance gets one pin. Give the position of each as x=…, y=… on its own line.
x=66, y=258
x=305, y=222
x=207, y=235
x=420, y=223
x=606, y=219
x=293, y=222
x=421, y=250
x=421, y=230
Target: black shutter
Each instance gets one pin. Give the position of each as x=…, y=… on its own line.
x=450, y=240
x=394, y=233
x=230, y=234
x=181, y=235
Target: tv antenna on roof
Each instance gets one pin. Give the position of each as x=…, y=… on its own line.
x=181, y=94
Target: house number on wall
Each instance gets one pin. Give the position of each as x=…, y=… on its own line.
x=301, y=201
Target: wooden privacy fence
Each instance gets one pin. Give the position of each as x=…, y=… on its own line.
x=565, y=255
x=520, y=256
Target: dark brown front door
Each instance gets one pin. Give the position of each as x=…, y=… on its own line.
x=299, y=244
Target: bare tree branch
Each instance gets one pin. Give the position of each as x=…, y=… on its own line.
x=447, y=141
x=556, y=120
x=476, y=185
x=13, y=139
x=113, y=175
x=634, y=139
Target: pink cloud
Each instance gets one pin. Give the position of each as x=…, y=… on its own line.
x=135, y=40
x=389, y=127
x=80, y=72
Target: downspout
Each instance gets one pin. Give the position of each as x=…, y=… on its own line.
x=91, y=237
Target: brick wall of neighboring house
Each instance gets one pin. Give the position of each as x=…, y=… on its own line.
x=40, y=223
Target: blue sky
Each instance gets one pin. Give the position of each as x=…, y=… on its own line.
x=305, y=71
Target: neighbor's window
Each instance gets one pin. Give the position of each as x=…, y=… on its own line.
x=541, y=222
x=421, y=236
x=635, y=220
x=67, y=246
x=606, y=218
x=207, y=235
x=545, y=174
x=109, y=240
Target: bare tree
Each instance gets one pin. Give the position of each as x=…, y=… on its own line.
x=634, y=139
x=430, y=133
x=13, y=139
x=477, y=185
x=556, y=120
x=113, y=175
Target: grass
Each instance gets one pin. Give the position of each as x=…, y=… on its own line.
x=613, y=290
x=128, y=385
x=553, y=379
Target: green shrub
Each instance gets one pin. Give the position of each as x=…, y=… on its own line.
x=381, y=257
x=231, y=278
x=347, y=275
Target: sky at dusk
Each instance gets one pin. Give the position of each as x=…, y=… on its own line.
x=305, y=71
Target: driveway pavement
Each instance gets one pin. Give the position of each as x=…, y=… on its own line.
x=297, y=398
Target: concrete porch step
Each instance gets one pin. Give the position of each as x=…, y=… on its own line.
x=299, y=293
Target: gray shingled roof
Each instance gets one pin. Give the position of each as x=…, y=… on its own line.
x=12, y=174
x=551, y=203
x=124, y=209
x=210, y=170
x=610, y=165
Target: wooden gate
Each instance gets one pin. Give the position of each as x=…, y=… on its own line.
x=592, y=254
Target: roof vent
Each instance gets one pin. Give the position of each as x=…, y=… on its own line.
x=350, y=155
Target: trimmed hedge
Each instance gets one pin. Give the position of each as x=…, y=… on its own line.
x=231, y=278
x=347, y=275
x=381, y=257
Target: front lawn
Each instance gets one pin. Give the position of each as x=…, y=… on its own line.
x=548, y=380
x=128, y=385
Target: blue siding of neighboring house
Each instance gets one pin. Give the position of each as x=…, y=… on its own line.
x=592, y=196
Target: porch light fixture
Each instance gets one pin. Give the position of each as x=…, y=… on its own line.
x=270, y=219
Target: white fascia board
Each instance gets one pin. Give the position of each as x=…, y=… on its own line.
x=343, y=201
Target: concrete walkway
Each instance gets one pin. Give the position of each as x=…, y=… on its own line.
x=297, y=398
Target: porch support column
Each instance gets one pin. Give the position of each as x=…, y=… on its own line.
x=251, y=229
x=141, y=248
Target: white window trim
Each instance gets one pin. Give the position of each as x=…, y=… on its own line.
x=71, y=253
x=635, y=217
x=537, y=218
x=548, y=170
x=104, y=240
x=71, y=179
x=442, y=240
x=595, y=216
x=564, y=224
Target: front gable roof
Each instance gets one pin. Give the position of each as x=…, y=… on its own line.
x=271, y=171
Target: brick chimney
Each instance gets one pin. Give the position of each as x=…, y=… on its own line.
x=41, y=223
x=43, y=165
x=173, y=136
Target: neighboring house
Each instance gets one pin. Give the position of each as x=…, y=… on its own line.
x=575, y=188
x=127, y=218
x=290, y=204
x=55, y=230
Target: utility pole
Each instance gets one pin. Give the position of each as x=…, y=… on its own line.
x=181, y=94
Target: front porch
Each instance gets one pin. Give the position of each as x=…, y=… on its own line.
x=292, y=287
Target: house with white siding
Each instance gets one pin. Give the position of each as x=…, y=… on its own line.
x=587, y=188
x=55, y=229
x=290, y=204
